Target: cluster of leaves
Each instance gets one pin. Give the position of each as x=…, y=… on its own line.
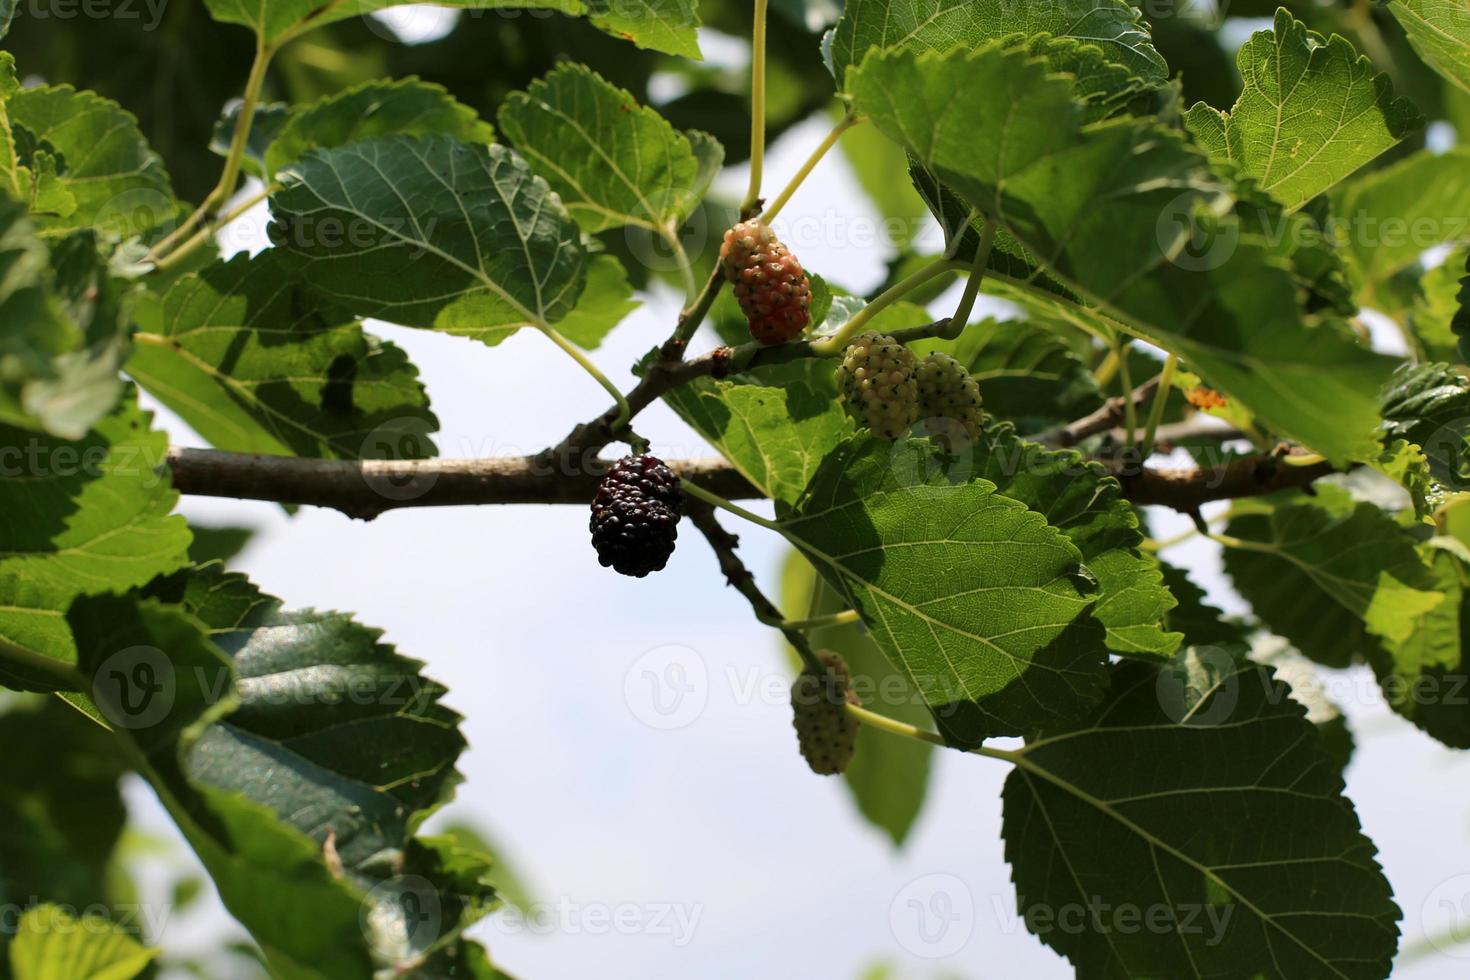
x=1006, y=589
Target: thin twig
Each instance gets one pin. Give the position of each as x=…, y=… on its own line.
x=723, y=543
x=1110, y=416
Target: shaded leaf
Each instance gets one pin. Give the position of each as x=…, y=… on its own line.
x=406, y=106
x=83, y=516
x=1439, y=30
x=1390, y=217
x=242, y=353
x=887, y=777
x=431, y=232
x=1079, y=499
x=1333, y=576
x=983, y=605
x=1229, y=828
x=1117, y=208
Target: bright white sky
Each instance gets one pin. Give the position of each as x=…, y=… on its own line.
x=713, y=845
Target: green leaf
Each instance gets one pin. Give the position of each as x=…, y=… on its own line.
x=941, y=25
x=1441, y=310
x=299, y=755
x=1425, y=678
x=480, y=248
x=115, y=180
x=1116, y=208
x=407, y=106
x=1390, y=217
x=83, y=516
x=1428, y=406
x=982, y=604
x=66, y=320
x=606, y=301
x=1198, y=798
x=774, y=423
x=663, y=25
x=242, y=354
x=1439, y=30
x=1079, y=499
x=50, y=944
x=614, y=162
x=1331, y=575
x=1312, y=111
x=887, y=777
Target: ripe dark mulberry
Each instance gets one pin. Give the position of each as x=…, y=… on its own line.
x=770, y=284
x=635, y=515
x=878, y=380
x=946, y=391
x=825, y=732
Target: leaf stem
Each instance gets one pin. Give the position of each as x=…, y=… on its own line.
x=686, y=268
x=814, y=622
x=977, y=276
x=1125, y=377
x=1156, y=407
x=715, y=500
x=576, y=354
x=835, y=344
x=893, y=726
x=234, y=158
x=693, y=315
x=1155, y=546
x=774, y=208
x=203, y=235
x=757, y=109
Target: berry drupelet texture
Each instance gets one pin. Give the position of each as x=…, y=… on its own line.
x=635, y=515
x=878, y=380
x=825, y=732
x=947, y=391
x=770, y=284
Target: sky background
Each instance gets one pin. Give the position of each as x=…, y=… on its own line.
x=696, y=843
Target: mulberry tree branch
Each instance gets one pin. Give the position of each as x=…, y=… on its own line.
x=364, y=489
